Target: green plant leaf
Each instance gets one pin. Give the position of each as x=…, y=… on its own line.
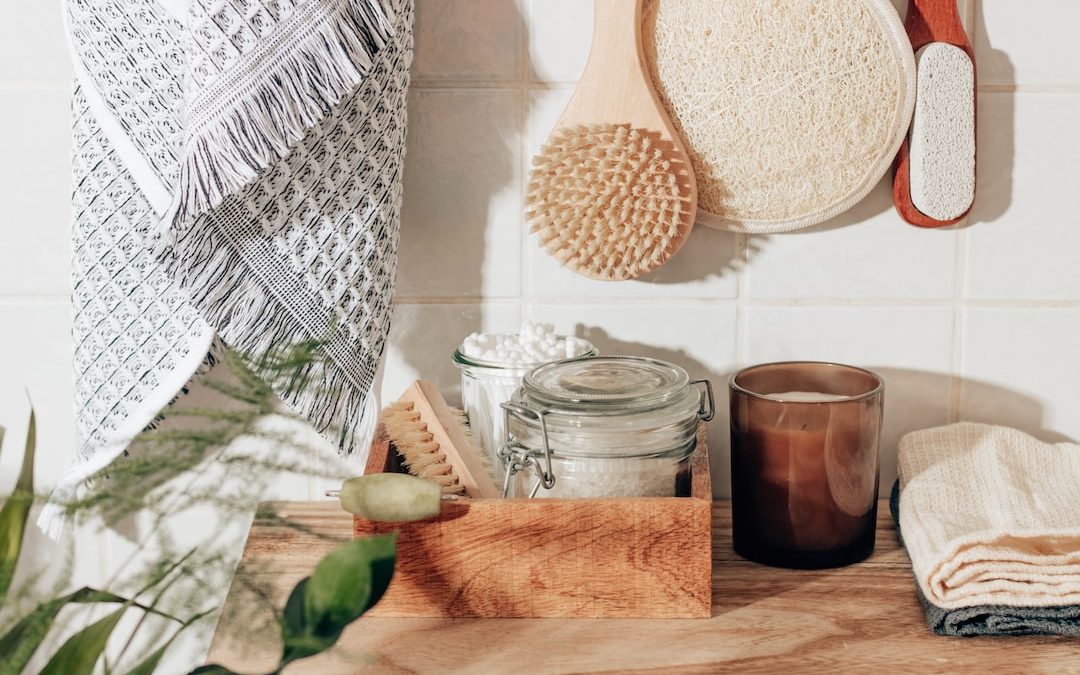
x=16, y=509
x=293, y=616
x=80, y=653
x=22, y=640
x=345, y=584
x=150, y=663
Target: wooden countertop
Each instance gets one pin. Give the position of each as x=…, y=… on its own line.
x=764, y=619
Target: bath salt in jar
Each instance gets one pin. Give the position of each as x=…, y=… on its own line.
x=604, y=426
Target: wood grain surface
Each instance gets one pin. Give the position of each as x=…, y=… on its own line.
x=862, y=618
x=647, y=557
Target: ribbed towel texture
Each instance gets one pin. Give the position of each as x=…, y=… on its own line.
x=992, y=619
x=991, y=516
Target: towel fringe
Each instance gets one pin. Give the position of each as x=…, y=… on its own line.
x=283, y=104
x=252, y=320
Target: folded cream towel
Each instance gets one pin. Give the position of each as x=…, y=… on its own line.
x=991, y=516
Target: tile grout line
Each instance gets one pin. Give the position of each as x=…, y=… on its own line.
x=480, y=85
x=956, y=380
x=809, y=303
x=742, y=248
x=524, y=69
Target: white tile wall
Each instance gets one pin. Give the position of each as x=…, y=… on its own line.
x=32, y=42
x=35, y=127
x=910, y=347
x=468, y=40
x=566, y=23
x=1024, y=245
x=460, y=227
x=977, y=322
x=1025, y=42
x=861, y=254
x=1019, y=368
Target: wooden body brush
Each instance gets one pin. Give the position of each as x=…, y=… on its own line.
x=612, y=194
x=934, y=184
x=431, y=438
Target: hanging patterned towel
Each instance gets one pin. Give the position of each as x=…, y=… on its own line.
x=991, y=516
x=237, y=177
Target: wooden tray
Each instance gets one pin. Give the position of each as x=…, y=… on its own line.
x=635, y=557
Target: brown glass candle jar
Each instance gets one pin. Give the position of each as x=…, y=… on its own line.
x=804, y=463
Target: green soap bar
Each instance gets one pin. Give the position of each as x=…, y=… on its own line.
x=391, y=497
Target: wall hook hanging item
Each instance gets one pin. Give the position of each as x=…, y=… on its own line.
x=611, y=194
x=934, y=184
x=791, y=111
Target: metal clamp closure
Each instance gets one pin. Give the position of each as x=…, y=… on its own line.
x=516, y=458
x=706, y=412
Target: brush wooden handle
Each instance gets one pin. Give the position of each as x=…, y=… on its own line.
x=460, y=452
x=936, y=21
x=928, y=21
x=616, y=88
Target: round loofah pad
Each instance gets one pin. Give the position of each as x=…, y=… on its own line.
x=791, y=111
x=605, y=202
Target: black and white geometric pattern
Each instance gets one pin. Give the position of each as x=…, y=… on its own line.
x=278, y=129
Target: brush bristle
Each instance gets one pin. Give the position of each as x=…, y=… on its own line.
x=462, y=419
x=606, y=202
x=419, y=451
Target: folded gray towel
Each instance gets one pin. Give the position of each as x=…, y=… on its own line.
x=992, y=619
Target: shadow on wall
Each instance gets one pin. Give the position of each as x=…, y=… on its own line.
x=911, y=403
x=462, y=167
x=719, y=249
x=996, y=142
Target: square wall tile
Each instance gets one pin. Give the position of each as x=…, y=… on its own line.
x=461, y=215
x=545, y=107
x=35, y=188
x=424, y=337
x=1020, y=369
x=35, y=359
x=560, y=34
x=32, y=42
x=1026, y=42
x=698, y=337
x=867, y=252
x=704, y=268
x=911, y=348
x=467, y=40
x=1022, y=242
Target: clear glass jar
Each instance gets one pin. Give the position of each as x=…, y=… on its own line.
x=485, y=386
x=605, y=426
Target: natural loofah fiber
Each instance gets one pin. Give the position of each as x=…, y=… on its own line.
x=606, y=201
x=791, y=111
x=941, y=160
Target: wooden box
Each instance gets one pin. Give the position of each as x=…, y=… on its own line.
x=635, y=557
